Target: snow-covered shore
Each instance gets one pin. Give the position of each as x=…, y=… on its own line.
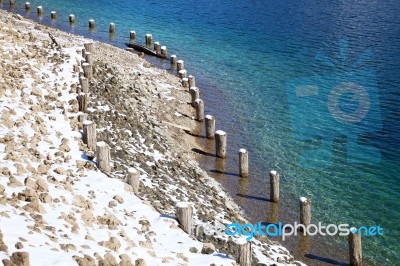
x=54, y=202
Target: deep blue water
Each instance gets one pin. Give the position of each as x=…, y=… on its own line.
x=310, y=88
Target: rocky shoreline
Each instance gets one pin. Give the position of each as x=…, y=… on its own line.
x=128, y=101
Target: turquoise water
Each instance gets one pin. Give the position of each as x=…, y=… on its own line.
x=249, y=58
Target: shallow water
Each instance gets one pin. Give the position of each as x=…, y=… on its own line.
x=251, y=59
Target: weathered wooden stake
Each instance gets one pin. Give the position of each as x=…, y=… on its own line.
x=27, y=6
x=355, y=249
x=195, y=94
x=244, y=253
x=40, y=10
x=192, y=81
x=12, y=2
x=305, y=211
x=53, y=15
x=103, y=156
x=111, y=29
x=89, y=47
x=180, y=65
x=274, y=186
x=89, y=134
x=132, y=35
x=91, y=24
x=148, y=38
x=82, y=118
x=157, y=47
x=164, y=52
x=220, y=144
x=71, y=19
x=243, y=163
x=89, y=58
x=182, y=73
x=184, y=215
x=87, y=70
x=210, y=126
x=133, y=180
x=173, y=59
x=199, y=105
x=185, y=82
x=82, y=102
x=84, y=82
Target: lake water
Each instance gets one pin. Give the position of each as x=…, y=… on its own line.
x=309, y=88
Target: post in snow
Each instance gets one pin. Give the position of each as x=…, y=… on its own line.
x=243, y=252
x=184, y=215
x=89, y=134
x=103, y=156
x=133, y=180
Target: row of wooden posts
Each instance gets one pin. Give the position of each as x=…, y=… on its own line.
x=103, y=152
x=354, y=240
x=184, y=211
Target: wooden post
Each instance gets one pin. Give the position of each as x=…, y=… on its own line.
x=27, y=6
x=82, y=118
x=132, y=35
x=173, y=59
x=192, y=81
x=112, y=28
x=210, y=126
x=12, y=2
x=148, y=38
x=91, y=24
x=199, y=105
x=89, y=47
x=243, y=163
x=88, y=58
x=82, y=102
x=40, y=10
x=180, y=65
x=164, y=52
x=220, y=144
x=305, y=211
x=103, y=156
x=84, y=82
x=195, y=94
x=184, y=215
x=87, y=70
x=133, y=180
x=185, y=82
x=157, y=47
x=244, y=253
x=182, y=73
x=71, y=19
x=53, y=15
x=355, y=249
x=274, y=186
x=89, y=134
